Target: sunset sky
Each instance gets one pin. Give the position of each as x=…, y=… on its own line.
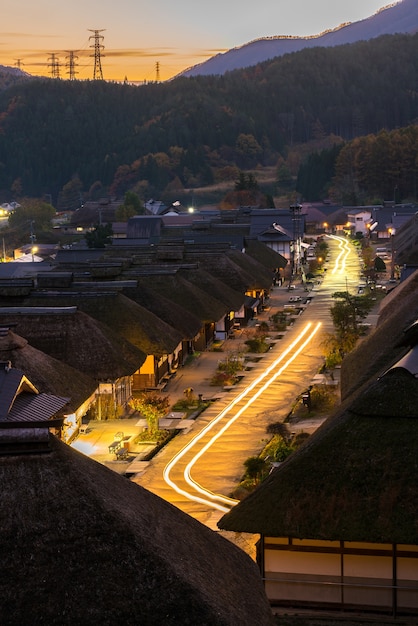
x=137, y=35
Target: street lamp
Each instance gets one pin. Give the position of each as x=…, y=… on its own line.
x=34, y=250
x=391, y=232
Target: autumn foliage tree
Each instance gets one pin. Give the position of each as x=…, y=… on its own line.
x=152, y=406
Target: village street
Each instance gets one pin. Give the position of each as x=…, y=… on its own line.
x=199, y=469
x=185, y=477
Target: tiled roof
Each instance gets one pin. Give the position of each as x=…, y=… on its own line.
x=29, y=407
x=20, y=401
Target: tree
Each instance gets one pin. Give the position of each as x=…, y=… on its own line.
x=255, y=468
x=379, y=265
x=152, y=407
x=70, y=197
x=33, y=216
x=346, y=314
x=246, y=182
x=284, y=177
x=248, y=150
x=100, y=236
x=131, y=206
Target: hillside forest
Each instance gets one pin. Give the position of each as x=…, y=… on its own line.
x=332, y=122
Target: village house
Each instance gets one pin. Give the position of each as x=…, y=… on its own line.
x=47, y=376
x=98, y=548
x=88, y=349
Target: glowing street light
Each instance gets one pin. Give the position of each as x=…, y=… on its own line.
x=391, y=232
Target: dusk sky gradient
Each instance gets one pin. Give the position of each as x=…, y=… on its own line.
x=137, y=35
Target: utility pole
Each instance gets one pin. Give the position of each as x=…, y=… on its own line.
x=157, y=71
x=71, y=64
x=295, y=210
x=98, y=47
x=32, y=234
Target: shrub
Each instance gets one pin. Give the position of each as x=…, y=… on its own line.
x=322, y=398
x=157, y=436
x=263, y=328
x=279, y=320
x=221, y=379
x=278, y=449
x=257, y=344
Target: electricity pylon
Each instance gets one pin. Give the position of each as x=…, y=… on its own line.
x=54, y=65
x=98, y=47
x=71, y=64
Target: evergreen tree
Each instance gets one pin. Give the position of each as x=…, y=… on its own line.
x=100, y=237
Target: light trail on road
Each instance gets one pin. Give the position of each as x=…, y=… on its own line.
x=207, y=497
x=345, y=251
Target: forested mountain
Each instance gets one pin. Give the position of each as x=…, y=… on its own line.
x=366, y=170
x=11, y=75
x=398, y=17
x=191, y=131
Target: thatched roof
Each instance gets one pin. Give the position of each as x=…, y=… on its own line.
x=124, y=316
x=189, y=295
x=356, y=479
x=170, y=312
x=269, y=258
x=76, y=339
x=47, y=374
x=381, y=348
x=208, y=281
x=81, y=544
x=234, y=268
x=262, y=276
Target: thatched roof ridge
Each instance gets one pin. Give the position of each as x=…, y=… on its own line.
x=408, y=289
x=47, y=374
x=170, y=312
x=382, y=347
x=208, y=282
x=105, y=550
x=262, y=275
x=124, y=316
x=264, y=254
x=187, y=294
x=356, y=479
x=225, y=267
x=78, y=340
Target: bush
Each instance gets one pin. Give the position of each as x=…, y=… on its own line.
x=323, y=398
x=279, y=321
x=263, y=328
x=221, y=379
x=278, y=449
x=156, y=436
x=258, y=344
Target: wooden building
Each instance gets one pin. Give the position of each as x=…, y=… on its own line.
x=83, y=545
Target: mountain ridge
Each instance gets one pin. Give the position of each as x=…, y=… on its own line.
x=399, y=17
